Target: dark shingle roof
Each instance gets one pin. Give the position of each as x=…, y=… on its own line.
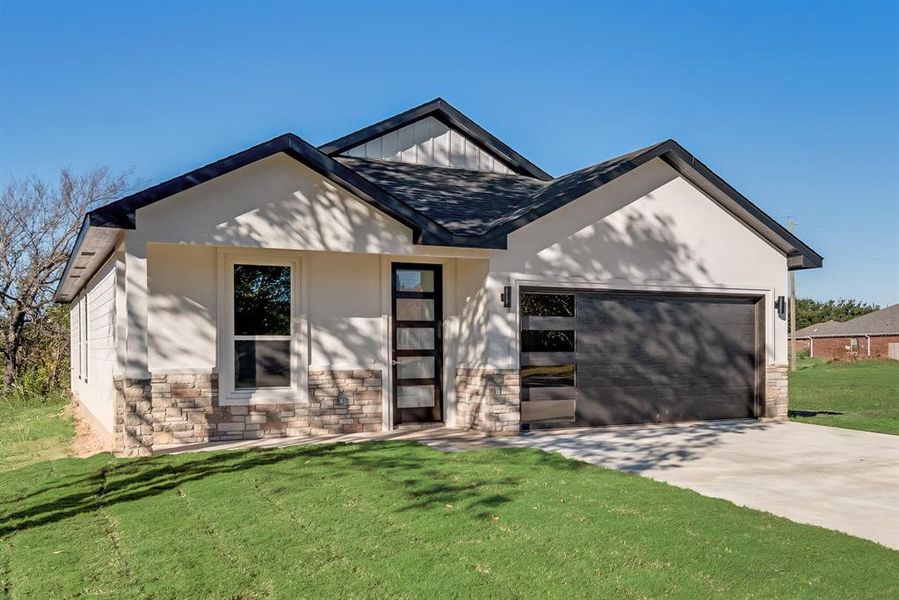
x=879, y=322
x=440, y=206
x=465, y=202
x=825, y=328
x=473, y=203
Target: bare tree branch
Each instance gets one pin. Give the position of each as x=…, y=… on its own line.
x=38, y=225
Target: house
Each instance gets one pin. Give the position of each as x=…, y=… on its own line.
x=867, y=336
x=420, y=270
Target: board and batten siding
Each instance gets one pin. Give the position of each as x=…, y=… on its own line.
x=430, y=142
x=93, y=364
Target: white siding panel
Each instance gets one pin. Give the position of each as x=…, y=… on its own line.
x=486, y=162
x=430, y=142
x=441, y=134
x=457, y=150
x=373, y=149
x=424, y=143
x=472, y=156
x=390, y=146
x=407, y=144
x=94, y=386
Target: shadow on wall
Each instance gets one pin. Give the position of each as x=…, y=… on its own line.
x=297, y=210
x=664, y=361
x=623, y=244
x=626, y=245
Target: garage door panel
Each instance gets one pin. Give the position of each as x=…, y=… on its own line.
x=621, y=405
x=656, y=358
x=616, y=405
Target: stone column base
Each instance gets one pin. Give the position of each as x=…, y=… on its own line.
x=777, y=397
x=488, y=400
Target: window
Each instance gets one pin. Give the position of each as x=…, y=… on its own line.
x=542, y=340
x=547, y=305
x=79, y=338
x=547, y=376
x=262, y=311
x=85, y=327
x=75, y=318
x=853, y=344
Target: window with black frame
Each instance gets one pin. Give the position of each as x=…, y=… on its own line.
x=548, y=369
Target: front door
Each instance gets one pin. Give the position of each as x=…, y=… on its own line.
x=417, y=299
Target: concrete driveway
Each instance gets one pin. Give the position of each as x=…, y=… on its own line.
x=836, y=478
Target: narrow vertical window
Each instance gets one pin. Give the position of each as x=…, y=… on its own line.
x=262, y=317
x=75, y=317
x=84, y=335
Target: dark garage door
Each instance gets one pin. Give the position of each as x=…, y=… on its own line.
x=617, y=358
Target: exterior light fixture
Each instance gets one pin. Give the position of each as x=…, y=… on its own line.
x=506, y=296
x=780, y=305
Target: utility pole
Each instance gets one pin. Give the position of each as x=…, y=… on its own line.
x=790, y=225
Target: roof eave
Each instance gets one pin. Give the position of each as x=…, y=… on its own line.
x=799, y=255
x=122, y=214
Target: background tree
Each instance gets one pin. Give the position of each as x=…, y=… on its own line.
x=810, y=312
x=38, y=226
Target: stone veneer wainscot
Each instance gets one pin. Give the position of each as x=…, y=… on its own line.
x=183, y=408
x=488, y=400
x=777, y=396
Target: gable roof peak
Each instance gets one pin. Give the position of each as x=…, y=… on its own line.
x=445, y=112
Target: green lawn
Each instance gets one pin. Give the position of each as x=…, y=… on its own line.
x=33, y=433
x=400, y=520
x=856, y=395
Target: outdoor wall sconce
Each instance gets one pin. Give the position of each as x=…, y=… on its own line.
x=780, y=305
x=342, y=399
x=506, y=296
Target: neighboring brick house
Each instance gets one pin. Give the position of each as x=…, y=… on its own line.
x=421, y=271
x=867, y=336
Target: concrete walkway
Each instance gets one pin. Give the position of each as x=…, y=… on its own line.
x=836, y=478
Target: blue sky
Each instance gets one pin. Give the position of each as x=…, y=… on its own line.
x=796, y=105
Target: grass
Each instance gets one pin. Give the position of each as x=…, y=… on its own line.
x=400, y=520
x=34, y=431
x=855, y=395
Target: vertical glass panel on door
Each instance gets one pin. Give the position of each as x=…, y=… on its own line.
x=414, y=396
x=415, y=367
x=261, y=364
x=414, y=309
x=261, y=300
x=414, y=338
x=408, y=280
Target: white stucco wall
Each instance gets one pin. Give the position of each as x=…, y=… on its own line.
x=182, y=306
x=96, y=394
x=648, y=229
x=343, y=308
x=473, y=312
x=273, y=203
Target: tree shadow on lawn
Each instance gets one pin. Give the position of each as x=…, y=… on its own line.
x=409, y=465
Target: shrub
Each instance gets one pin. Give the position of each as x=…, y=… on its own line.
x=33, y=387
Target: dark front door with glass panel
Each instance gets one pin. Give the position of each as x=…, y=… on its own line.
x=417, y=300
